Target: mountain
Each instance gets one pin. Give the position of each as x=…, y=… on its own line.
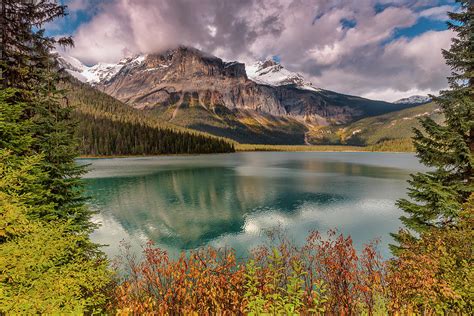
x=395, y=127
x=269, y=72
x=414, y=99
x=101, y=72
x=261, y=103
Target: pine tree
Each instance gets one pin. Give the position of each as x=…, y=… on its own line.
x=23, y=43
x=48, y=263
x=437, y=196
x=28, y=66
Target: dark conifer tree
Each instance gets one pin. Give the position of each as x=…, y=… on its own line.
x=437, y=196
x=49, y=265
x=28, y=66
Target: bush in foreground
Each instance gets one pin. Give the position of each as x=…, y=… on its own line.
x=435, y=274
x=326, y=275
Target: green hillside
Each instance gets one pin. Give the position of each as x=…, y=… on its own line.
x=395, y=128
x=253, y=127
x=243, y=126
x=107, y=126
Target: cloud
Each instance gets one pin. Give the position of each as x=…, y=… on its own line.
x=309, y=36
x=105, y=38
x=437, y=13
x=146, y=26
x=401, y=68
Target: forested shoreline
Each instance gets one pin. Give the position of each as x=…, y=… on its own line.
x=105, y=137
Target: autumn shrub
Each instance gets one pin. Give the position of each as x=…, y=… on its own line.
x=434, y=274
x=279, y=281
x=324, y=276
x=354, y=282
x=207, y=281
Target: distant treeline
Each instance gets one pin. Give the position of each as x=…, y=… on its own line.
x=394, y=145
x=105, y=137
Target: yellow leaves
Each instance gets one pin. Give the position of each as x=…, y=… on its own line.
x=44, y=267
x=49, y=273
x=435, y=273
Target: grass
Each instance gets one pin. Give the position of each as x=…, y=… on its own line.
x=399, y=145
x=256, y=147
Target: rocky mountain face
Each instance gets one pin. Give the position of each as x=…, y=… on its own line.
x=188, y=87
x=186, y=77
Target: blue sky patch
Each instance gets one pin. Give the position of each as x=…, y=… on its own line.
x=69, y=24
x=421, y=26
x=379, y=7
x=348, y=23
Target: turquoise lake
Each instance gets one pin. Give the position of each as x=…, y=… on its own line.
x=184, y=202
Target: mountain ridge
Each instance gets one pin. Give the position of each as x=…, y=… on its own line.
x=270, y=72
x=190, y=88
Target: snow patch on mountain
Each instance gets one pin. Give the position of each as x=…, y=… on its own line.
x=101, y=72
x=272, y=73
x=414, y=99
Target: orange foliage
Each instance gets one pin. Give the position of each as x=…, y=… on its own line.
x=324, y=276
x=207, y=281
x=353, y=281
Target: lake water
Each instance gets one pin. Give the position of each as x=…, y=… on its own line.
x=184, y=202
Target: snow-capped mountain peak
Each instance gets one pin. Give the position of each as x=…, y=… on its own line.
x=101, y=72
x=269, y=72
x=414, y=99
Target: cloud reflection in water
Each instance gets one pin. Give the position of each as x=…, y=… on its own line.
x=230, y=200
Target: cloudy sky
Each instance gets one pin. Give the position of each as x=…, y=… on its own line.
x=381, y=49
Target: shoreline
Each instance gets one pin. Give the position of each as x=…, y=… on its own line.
x=271, y=148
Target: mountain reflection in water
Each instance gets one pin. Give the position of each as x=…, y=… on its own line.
x=230, y=200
